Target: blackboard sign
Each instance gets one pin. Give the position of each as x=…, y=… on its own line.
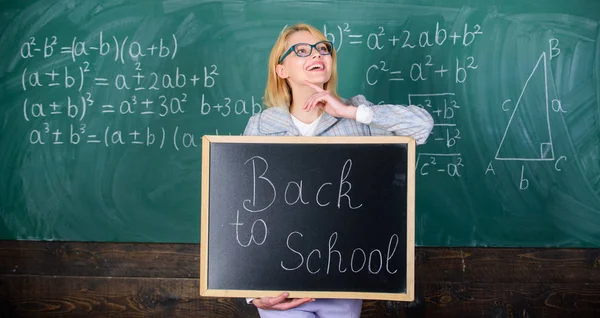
x=313, y=216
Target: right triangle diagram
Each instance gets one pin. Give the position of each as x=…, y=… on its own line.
x=527, y=135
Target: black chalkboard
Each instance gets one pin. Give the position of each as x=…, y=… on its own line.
x=326, y=217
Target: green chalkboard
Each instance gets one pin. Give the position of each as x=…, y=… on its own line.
x=103, y=105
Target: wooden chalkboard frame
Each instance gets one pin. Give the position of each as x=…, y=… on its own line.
x=408, y=295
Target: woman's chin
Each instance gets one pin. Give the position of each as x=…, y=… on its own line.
x=318, y=79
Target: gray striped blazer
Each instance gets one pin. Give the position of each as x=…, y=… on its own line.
x=387, y=120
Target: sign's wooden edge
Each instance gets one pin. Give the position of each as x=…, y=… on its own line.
x=204, y=216
x=311, y=140
x=408, y=295
x=238, y=293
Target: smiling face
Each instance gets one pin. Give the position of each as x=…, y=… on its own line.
x=315, y=68
x=285, y=75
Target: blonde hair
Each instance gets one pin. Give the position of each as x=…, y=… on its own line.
x=278, y=92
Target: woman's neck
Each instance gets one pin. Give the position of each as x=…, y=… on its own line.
x=299, y=97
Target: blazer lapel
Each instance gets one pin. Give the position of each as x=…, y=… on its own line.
x=277, y=121
x=325, y=123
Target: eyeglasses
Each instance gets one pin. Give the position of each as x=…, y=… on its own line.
x=305, y=49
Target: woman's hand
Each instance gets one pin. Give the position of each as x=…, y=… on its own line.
x=329, y=103
x=280, y=302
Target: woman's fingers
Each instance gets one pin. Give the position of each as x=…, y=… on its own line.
x=280, y=302
x=272, y=301
x=309, y=102
x=324, y=99
x=292, y=303
x=314, y=100
x=321, y=96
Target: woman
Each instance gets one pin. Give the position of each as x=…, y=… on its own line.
x=302, y=100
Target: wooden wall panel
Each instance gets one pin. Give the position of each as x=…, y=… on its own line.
x=74, y=279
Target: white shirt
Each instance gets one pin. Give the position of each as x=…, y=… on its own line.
x=306, y=129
